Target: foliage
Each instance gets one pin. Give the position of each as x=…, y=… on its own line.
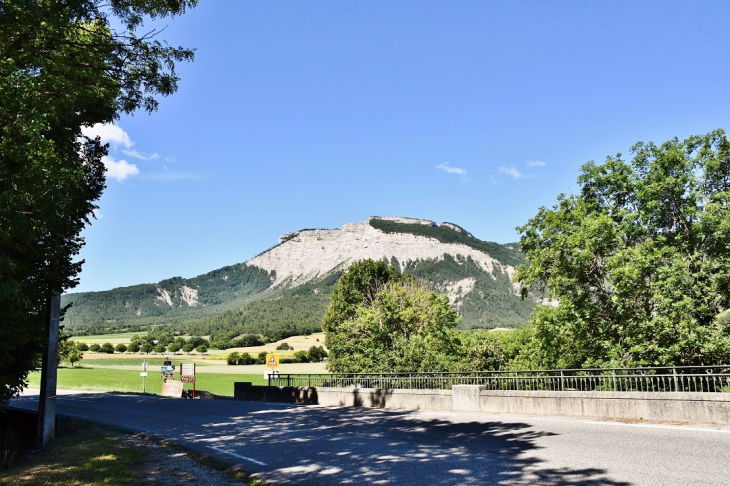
x=134, y=347
x=107, y=348
x=63, y=66
x=202, y=349
x=316, y=354
x=120, y=348
x=82, y=346
x=69, y=352
x=94, y=348
x=481, y=351
x=233, y=358
x=147, y=348
x=160, y=348
x=300, y=357
x=382, y=321
x=638, y=261
x=283, y=347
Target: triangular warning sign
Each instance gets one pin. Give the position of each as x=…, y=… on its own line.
x=272, y=361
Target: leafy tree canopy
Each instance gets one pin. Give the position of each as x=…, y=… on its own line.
x=639, y=261
x=63, y=66
x=380, y=320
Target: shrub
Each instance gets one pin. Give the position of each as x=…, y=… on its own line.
x=283, y=347
x=94, y=348
x=202, y=349
x=160, y=348
x=246, y=359
x=147, y=348
x=107, y=348
x=300, y=357
x=82, y=347
x=120, y=348
x=232, y=358
x=261, y=358
x=317, y=354
x=133, y=347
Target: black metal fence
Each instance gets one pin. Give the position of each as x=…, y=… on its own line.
x=658, y=379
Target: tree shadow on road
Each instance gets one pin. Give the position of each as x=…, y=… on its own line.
x=367, y=446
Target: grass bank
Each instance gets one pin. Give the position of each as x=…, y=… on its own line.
x=129, y=381
x=95, y=455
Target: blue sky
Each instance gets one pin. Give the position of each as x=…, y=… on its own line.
x=314, y=114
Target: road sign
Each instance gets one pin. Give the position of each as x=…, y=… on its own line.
x=172, y=388
x=168, y=368
x=187, y=378
x=144, y=373
x=272, y=360
x=187, y=368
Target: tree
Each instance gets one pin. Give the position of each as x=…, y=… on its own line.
x=233, y=358
x=94, y=348
x=63, y=66
x=638, y=261
x=301, y=357
x=188, y=348
x=133, y=347
x=160, y=348
x=174, y=347
x=107, y=348
x=120, y=348
x=382, y=321
x=147, y=348
x=202, y=349
x=82, y=347
x=316, y=354
x=69, y=352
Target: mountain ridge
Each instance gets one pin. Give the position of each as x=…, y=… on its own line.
x=474, y=273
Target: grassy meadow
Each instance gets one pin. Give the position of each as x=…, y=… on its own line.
x=119, y=372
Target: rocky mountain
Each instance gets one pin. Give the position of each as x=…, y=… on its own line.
x=302, y=268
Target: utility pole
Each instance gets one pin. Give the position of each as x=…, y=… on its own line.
x=49, y=373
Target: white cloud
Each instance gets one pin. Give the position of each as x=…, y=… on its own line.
x=535, y=163
x=119, y=170
x=492, y=180
x=109, y=133
x=451, y=170
x=137, y=155
x=511, y=171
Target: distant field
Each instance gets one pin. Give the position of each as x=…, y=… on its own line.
x=129, y=381
x=123, y=338
x=297, y=342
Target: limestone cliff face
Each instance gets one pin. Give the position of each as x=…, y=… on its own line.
x=310, y=254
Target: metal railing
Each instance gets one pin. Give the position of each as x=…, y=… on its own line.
x=658, y=379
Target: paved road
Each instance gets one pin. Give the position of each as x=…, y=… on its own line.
x=291, y=444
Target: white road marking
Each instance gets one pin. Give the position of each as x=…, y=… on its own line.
x=238, y=456
x=658, y=426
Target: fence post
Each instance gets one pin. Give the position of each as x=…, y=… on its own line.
x=562, y=381
x=613, y=377
x=674, y=373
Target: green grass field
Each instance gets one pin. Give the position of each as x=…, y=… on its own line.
x=128, y=381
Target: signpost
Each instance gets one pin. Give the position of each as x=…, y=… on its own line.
x=172, y=388
x=187, y=374
x=272, y=361
x=144, y=374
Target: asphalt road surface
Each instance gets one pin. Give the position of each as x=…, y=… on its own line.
x=291, y=444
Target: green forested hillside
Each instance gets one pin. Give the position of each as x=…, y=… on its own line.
x=143, y=305
x=274, y=319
